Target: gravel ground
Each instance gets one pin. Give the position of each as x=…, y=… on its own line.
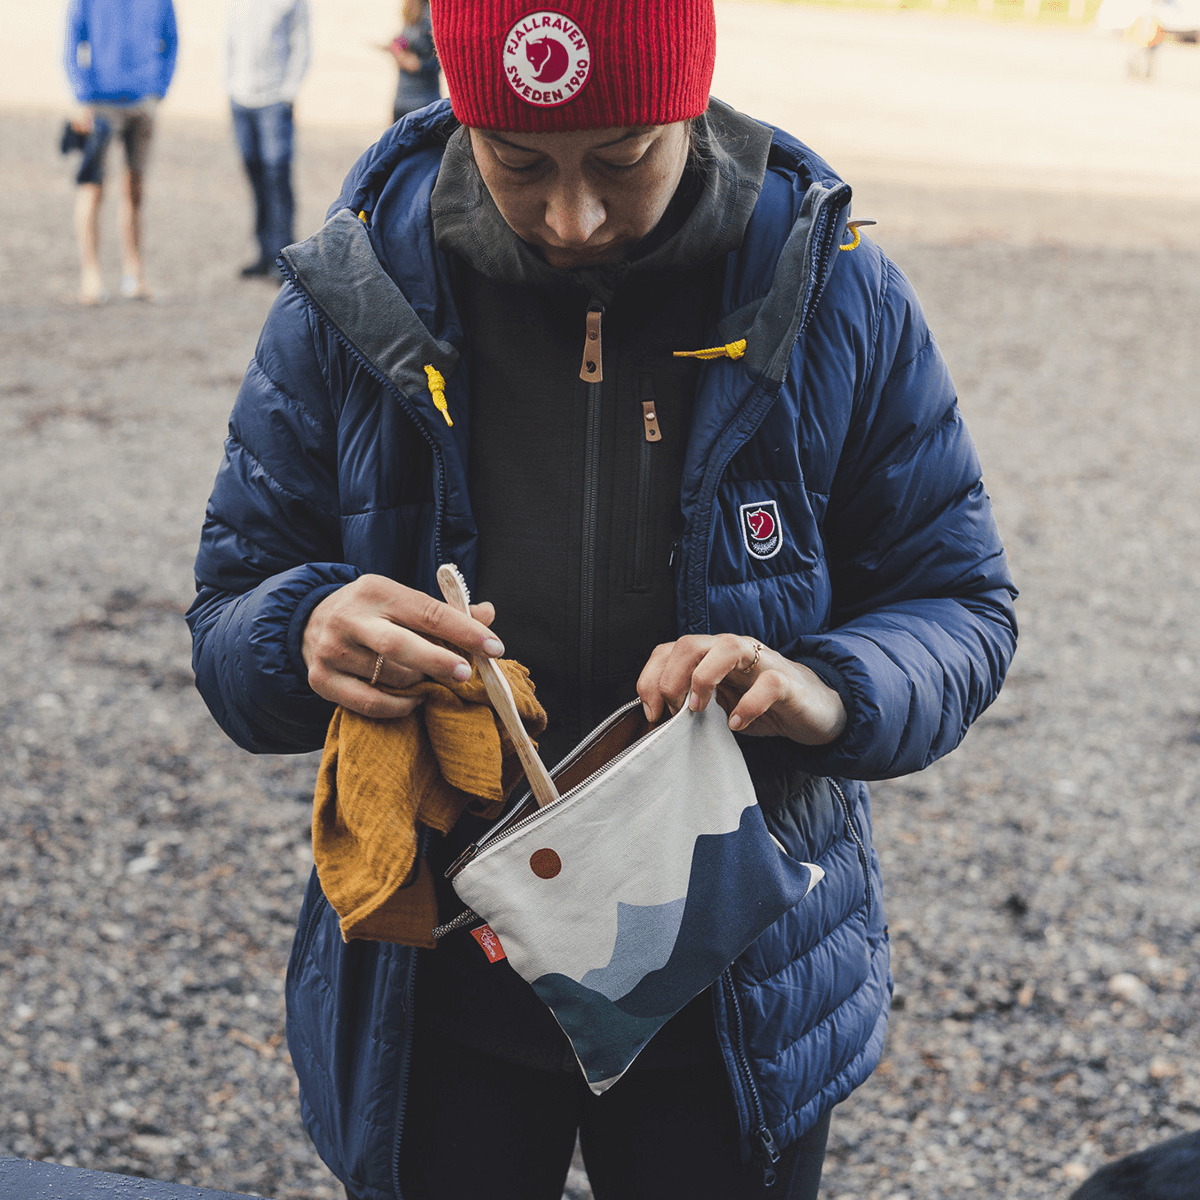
x=1041, y=880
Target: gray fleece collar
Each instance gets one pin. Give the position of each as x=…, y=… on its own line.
x=731, y=158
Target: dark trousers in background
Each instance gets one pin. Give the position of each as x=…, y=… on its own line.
x=478, y=1128
x=264, y=137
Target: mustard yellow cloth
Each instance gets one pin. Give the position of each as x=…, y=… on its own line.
x=379, y=779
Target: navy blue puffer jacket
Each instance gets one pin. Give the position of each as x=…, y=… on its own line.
x=887, y=576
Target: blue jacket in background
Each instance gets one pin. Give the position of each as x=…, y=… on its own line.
x=889, y=579
x=120, y=51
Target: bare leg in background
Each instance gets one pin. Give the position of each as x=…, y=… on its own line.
x=87, y=234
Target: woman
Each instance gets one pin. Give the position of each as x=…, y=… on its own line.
x=416, y=60
x=791, y=524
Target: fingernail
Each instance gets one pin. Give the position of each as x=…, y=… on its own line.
x=646, y=710
x=462, y=672
x=693, y=702
x=494, y=647
x=735, y=722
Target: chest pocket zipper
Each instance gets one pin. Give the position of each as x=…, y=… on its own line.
x=651, y=434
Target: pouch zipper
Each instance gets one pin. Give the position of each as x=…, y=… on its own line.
x=510, y=824
x=764, y=1151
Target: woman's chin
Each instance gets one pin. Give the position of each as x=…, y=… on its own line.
x=563, y=259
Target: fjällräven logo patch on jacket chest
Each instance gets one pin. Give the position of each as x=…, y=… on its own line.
x=762, y=531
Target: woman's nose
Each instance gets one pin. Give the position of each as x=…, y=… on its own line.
x=573, y=213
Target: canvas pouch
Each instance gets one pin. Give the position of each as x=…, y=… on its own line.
x=630, y=894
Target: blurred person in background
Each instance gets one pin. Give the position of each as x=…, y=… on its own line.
x=267, y=53
x=119, y=57
x=416, y=60
x=1146, y=36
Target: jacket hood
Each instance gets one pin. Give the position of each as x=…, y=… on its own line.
x=396, y=195
x=721, y=186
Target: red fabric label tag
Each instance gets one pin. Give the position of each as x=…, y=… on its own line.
x=490, y=943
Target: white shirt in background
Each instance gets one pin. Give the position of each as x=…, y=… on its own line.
x=267, y=51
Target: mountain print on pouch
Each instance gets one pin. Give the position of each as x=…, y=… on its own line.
x=609, y=1027
x=624, y=899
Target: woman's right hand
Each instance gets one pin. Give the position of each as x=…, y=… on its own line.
x=375, y=616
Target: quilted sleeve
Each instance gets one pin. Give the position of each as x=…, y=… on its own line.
x=923, y=627
x=270, y=548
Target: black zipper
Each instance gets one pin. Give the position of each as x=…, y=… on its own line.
x=715, y=469
x=306, y=934
x=402, y=1083
x=439, y=465
x=853, y=830
x=638, y=581
x=764, y=1151
x=591, y=513
x=408, y=1000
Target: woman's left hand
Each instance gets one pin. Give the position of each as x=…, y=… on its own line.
x=764, y=693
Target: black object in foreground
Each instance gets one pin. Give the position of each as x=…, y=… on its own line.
x=21, y=1179
x=1169, y=1171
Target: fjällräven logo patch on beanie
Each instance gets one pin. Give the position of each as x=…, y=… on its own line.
x=547, y=59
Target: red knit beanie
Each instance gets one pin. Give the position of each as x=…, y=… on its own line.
x=575, y=64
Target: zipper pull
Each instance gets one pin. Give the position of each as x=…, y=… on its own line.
x=650, y=411
x=766, y=1155
x=591, y=371
x=674, y=555
x=462, y=860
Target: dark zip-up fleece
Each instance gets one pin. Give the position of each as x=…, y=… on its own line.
x=577, y=507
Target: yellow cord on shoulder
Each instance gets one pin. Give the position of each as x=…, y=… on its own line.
x=362, y=215
x=734, y=350
x=853, y=227
x=437, y=389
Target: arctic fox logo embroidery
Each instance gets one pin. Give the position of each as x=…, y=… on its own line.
x=762, y=532
x=547, y=59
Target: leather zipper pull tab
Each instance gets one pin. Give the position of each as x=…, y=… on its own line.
x=591, y=370
x=650, y=421
x=649, y=411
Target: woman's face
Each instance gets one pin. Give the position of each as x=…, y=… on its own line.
x=582, y=198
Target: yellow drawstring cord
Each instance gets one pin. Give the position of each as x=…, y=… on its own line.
x=853, y=227
x=734, y=350
x=362, y=215
x=437, y=389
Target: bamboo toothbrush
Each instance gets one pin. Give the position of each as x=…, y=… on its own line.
x=454, y=589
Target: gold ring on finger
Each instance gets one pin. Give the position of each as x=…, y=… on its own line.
x=754, y=661
x=378, y=668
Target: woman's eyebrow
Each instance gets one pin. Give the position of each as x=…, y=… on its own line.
x=635, y=132
x=628, y=136
x=491, y=136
